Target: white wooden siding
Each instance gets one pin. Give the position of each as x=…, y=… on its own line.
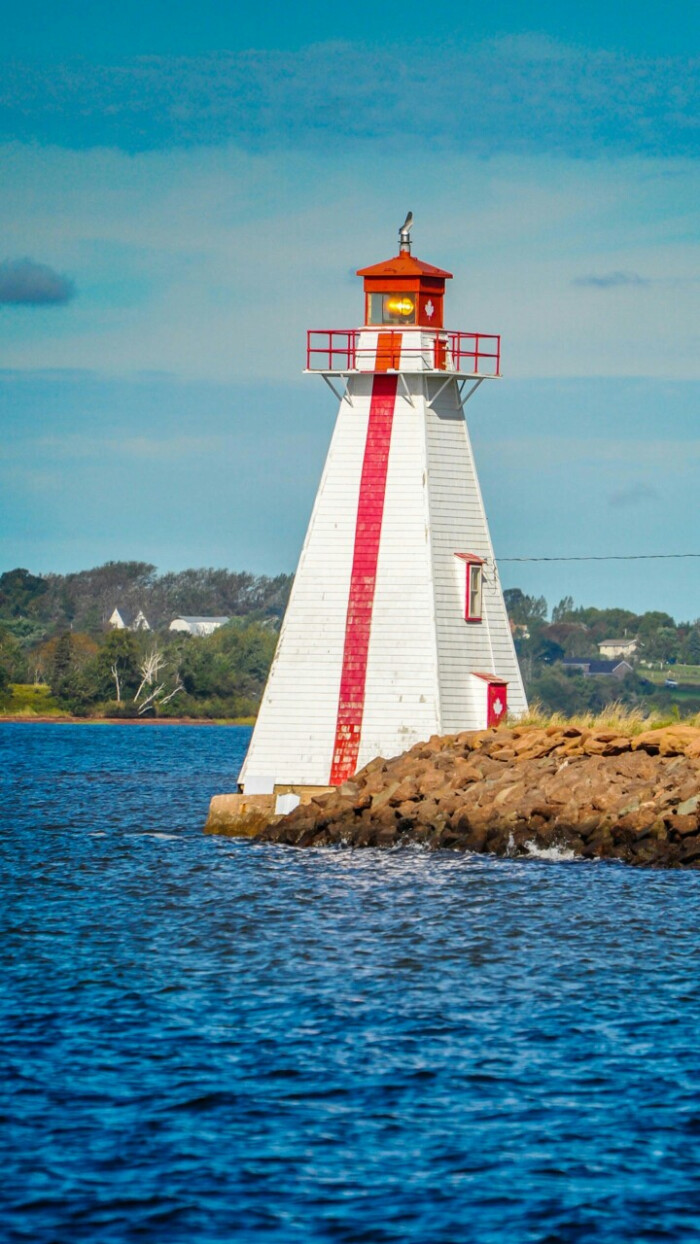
x=422, y=651
x=458, y=525
x=401, y=700
x=295, y=730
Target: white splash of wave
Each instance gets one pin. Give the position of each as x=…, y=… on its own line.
x=550, y=853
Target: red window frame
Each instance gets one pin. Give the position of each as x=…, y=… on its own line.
x=472, y=562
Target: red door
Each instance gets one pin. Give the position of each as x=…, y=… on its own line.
x=497, y=703
x=388, y=351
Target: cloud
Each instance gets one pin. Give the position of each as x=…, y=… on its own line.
x=611, y=280
x=210, y=263
x=519, y=94
x=164, y=448
x=633, y=494
x=26, y=283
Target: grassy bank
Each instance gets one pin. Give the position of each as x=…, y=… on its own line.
x=615, y=716
x=34, y=702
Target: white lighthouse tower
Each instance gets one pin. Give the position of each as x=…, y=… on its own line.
x=396, y=627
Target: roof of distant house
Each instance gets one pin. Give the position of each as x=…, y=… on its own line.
x=183, y=617
x=595, y=667
x=128, y=615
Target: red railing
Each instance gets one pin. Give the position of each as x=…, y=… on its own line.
x=340, y=350
x=464, y=346
x=326, y=348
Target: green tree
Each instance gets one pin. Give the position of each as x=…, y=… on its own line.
x=653, y=621
x=524, y=610
x=602, y=623
x=4, y=687
x=574, y=639
x=19, y=591
x=66, y=661
x=116, y=667
x=62, y=661
x=233, y=662
x=562, y=611
x=690, y=648
x=12, y=657
x=661, y=645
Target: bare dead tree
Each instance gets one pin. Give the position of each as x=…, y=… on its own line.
x=149, y=669
x=153, y=700
x=115, y=674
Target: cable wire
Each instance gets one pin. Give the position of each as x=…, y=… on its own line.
x=608, y=557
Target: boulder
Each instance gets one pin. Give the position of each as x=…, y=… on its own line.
x=668, y=741
x=510, y=791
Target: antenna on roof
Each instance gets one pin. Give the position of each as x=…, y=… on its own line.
x=405, y=235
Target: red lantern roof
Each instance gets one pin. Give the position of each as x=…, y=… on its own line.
x=404, y=265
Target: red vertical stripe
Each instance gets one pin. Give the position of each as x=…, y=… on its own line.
x=363, y=579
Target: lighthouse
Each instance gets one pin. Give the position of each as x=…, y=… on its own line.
x=396, y=628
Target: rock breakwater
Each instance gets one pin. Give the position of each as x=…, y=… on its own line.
x=593, y=793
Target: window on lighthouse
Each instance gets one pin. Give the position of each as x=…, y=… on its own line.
x=475, y=582
x=392, y=309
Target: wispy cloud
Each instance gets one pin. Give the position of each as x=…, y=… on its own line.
x=611, y=280
x=518, y=94
x=196, y=261
x=605, y=459
x=26, y=283
x=631, y=495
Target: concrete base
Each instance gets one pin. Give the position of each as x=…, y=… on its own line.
x=243, y=816
x=305, y=793
x=240, y=816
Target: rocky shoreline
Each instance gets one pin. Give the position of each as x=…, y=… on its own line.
x=590, y=793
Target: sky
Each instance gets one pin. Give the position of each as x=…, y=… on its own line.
x=186, y=188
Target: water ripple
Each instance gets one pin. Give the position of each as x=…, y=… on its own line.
x=206, y=1040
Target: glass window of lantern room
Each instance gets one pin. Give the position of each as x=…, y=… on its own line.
x=474, y=592
x=399, y=308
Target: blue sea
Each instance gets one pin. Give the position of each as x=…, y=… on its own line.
x=209, y=1040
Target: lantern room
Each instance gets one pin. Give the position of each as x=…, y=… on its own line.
x=403, y=327
x=404, y=290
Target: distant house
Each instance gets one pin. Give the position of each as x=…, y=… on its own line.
x=122, y=620
x=197, y=626
x=610, y=648
x=597, y=669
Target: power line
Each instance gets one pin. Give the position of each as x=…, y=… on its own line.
x=611, y=557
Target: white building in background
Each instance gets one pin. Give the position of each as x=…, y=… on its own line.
x=610, y=648
x=197, y=626
x=121, y=620
x=396, y=627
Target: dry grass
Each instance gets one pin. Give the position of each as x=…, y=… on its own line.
x=615, y=716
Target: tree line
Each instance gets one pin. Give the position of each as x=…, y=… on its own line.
x=126, y=674
x=542, y=643
x=36, y=607
x=54, y=633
